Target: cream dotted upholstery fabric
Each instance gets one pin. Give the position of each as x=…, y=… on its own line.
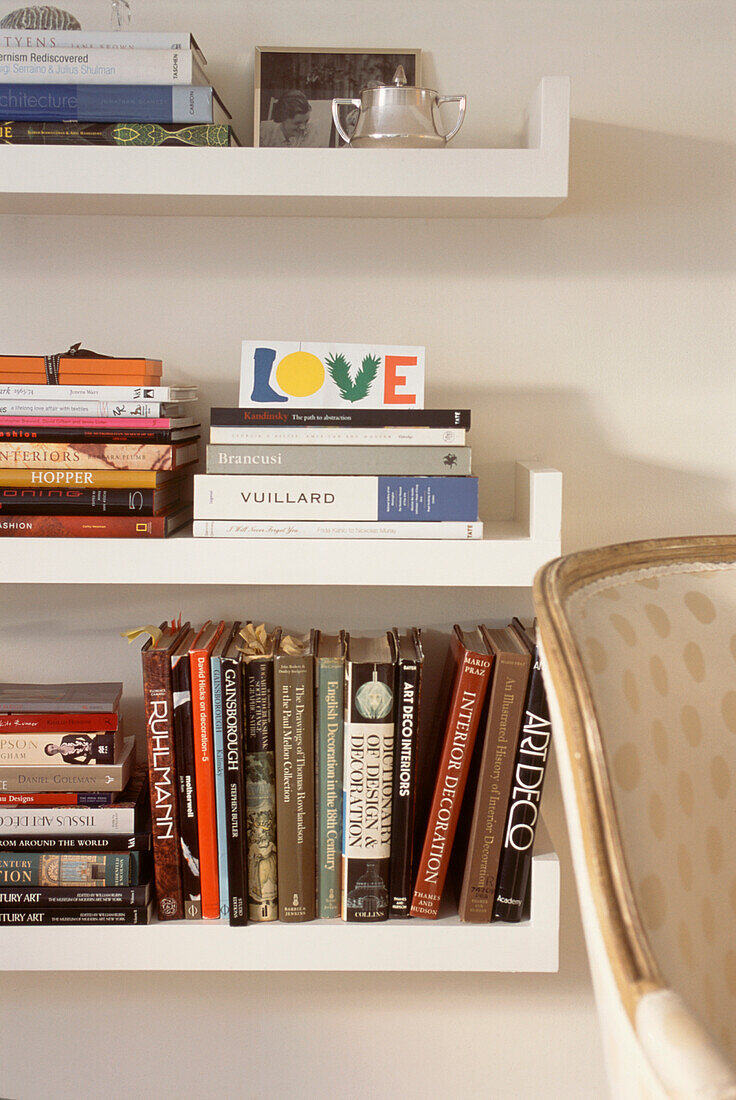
x=659, y=650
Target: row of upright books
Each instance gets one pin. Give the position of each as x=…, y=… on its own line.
x=94, y=446
x=75, y=832
x=108, y=88
x=304, y=777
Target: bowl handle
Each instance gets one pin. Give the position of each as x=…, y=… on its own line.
x=460, y=99
x=336, y=105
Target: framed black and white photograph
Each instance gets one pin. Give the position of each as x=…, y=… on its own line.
x=294, y=89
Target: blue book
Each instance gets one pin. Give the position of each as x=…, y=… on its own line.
x=427, y=498
x=107, y=103
x=218, y=749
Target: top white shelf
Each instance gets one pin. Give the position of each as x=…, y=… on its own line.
x=527, y=182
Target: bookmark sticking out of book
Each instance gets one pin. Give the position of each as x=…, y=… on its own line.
x=154, y=631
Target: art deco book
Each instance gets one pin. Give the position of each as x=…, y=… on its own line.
x=409, y=664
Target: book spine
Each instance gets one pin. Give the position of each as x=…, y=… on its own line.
x=367, y=793
x=234, y=787
x=510, y=678
x=81, y=40
x=98, y=423
x=530, y=768
x=106, y=102
x=243, y=418
x=94, y=456
x=102, y=897
x=218, y=760
x=84, y=822
x=375, y=499
x=205, y=777
x=260, y=790
x=408, y=696
x=105, y=395
x=76, y=842
x=329, y=749
x=57, y=869
x=101, y=436
x=22, y=749
x=84, y=722
x=95, y=65
x=273, y=529
x=73, y=526
x=211, y=135
x=159, y=706
x=119, y=412
x=129, y=914
x=316, y=461
x=90, y=777
x=294, y=758
x=468, y=693
x=83, y=502
x=186, y=787
x=60, y=798
x=339, y=437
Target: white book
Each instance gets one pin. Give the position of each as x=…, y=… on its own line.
x=236, y=529
x=66, y=820
x=379, y=437
x=141, y=410
x=98, y=66
x=38, y=39
x=20, y=392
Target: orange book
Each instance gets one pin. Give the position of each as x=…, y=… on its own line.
x=35, y=365
x=204, y=766
x=67, y=378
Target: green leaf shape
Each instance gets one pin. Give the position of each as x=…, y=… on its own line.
x=359, y=388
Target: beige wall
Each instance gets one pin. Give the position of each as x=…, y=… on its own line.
x=600, y=340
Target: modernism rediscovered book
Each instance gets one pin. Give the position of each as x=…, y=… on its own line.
x=258, y=647
x=409, y=664
x=181, y=683
x=530, y=768
x=204, y=765
x=159, y=713
x=495, y=773
x=329, y=719
x=98, y=65
x=467, y=671
x=370, y=711
x=295, y=787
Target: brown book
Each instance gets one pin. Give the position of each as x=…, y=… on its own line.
x=159, y=707
x=294, y=757
x=469, y=666
x=512, y=662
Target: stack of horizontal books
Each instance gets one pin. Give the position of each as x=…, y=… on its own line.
x=303, y=776
x=93, y=447
x=67, y=87
x=278, y=469
x=75, y=831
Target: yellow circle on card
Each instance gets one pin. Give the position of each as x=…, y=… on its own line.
x=300, y=374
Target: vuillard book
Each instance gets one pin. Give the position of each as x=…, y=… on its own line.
x=417, y=499
x=110, y=103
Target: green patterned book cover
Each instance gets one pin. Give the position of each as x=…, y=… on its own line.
x=211, y=135
x=330, y=687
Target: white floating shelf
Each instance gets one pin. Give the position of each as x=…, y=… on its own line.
x=526, y=182
x=415, y=945
x=508, y=556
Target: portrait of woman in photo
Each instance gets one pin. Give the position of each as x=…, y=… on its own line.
x=290, y=123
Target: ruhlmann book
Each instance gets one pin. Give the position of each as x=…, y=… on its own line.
x=530, y=767
x=110, y=103
x=329, y=718
x=159, y=706
x=284, y=529
x=409, y=664
x=70, y=777
x=295, y=787
x=368, y=777
x=399, y=461
x=376, y=499
x=469, y=666
x=181, y=686
x=204, y=764
x=260, y=777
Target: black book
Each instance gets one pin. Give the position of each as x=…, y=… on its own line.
x=181, y=683
x=409, y=661
x=260, y=782
x=73, y=914
x=530, y=768
x=98, y=435
x=111, y=842
x=90, y=502
x=339, y=418
x=233, y=722
x=103, y=897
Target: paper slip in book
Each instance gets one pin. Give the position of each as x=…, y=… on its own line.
x=281, y=374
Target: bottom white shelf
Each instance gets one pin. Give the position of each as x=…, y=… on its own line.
x=413, y=945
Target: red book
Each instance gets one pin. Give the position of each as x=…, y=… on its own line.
x=58, y=723
x=159, y=707
x=204, y=766
x=95, y=527
x=470, y=668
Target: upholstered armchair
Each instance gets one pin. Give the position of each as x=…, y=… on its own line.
x=639, y=653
